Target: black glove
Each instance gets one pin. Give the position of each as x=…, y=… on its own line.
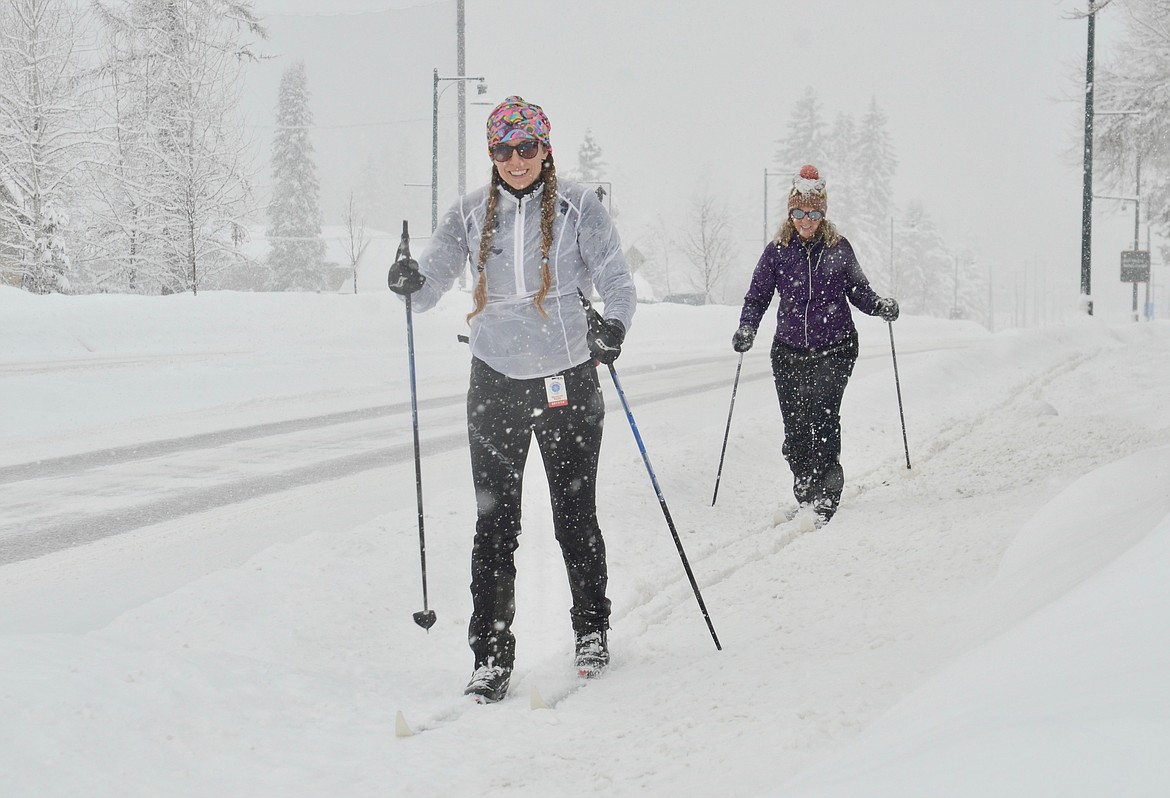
x=743, y=339
x=605, y=338
x=404, y=277
x=888, y=309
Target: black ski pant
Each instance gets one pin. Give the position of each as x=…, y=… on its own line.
x=502, y=416
x=811, y=385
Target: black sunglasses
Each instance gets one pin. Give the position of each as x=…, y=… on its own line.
x=813, y=216
x=525, y=149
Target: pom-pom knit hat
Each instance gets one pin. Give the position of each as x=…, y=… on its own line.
x=808, y=188
x=515, y=118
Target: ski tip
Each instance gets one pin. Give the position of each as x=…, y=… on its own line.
x=400, y=727
x=537, y=700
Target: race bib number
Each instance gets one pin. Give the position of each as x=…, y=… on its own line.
x=554, y=387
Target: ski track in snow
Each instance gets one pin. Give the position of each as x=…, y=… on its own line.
x=1052, y=455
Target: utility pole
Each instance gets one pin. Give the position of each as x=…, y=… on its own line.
x=435, y=151
x=1087, y=197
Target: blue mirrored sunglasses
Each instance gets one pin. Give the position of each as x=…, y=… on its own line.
x=813, y=216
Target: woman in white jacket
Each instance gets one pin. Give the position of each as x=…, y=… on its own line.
x=535, y=241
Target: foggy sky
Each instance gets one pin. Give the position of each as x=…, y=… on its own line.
x=983, y=99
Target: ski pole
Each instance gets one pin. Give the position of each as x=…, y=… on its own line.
x=734, y=388
x=426, y=616
x=594, y=315
x=662, y=502
x=898, y=386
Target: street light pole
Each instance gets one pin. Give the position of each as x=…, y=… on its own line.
x=462, y=93
x=460, y=79
x=435, y=153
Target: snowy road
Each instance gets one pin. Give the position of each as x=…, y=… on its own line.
x=56, y=503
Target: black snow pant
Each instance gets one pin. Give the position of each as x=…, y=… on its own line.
x=502, y=415
x=811, y=385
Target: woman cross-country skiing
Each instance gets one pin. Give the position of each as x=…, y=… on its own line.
x=811, y=268
x=535, y=240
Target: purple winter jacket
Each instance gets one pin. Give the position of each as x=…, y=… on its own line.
x=813, y=282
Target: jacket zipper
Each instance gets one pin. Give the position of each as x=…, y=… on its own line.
x=518, y=247
x=808, y=299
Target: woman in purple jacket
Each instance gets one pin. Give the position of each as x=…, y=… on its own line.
x=811, y=267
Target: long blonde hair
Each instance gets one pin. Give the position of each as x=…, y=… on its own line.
x=547, y=213
x=827, y=231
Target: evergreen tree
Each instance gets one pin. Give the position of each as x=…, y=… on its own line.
x=923, y=268
x=804, y=142
x=590, y=167
x=841, y=172
x=374, y=195
x=872, y=185
x=297, y=257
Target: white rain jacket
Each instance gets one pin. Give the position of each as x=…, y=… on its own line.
x=510, y=335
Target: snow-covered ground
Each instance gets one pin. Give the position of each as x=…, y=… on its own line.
x=209, y=552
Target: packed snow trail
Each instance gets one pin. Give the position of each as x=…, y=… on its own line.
x=266, y=646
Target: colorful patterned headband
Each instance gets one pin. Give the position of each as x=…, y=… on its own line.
x=516, y=118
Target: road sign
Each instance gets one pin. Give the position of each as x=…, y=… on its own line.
x=1135, y=266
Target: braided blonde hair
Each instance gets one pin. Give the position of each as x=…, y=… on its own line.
x=548, y=206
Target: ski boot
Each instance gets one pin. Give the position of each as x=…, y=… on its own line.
x=489, y=684
x=592, y=654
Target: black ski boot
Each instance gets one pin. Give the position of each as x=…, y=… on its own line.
x=592, y=653
x=825, y=509
x=489, y=684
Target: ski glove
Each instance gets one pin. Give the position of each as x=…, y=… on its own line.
x=404, y=277
x=743, y=339
x=605, y=338
x=888, y=309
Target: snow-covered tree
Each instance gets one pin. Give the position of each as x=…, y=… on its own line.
x=841, y=171
x=120, y=244
x=706, y=241
x=590, y=166
x=296, y=259
x=873, y=207
x=355, y=238
x=42, y=140
x=1137, y=79
x=923, y=268
x=968, y=288
x=375, y=194
x=805, y=138
x=656, y=244
x=180, y=183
